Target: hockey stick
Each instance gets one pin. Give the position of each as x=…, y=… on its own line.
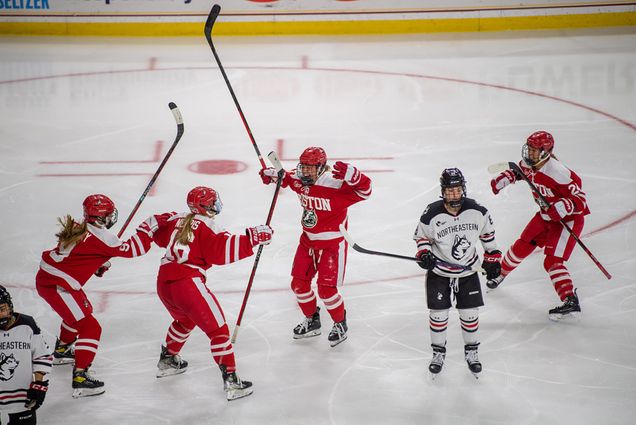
x=214, y=13
x=514, y=167
x=179, y=119
x=279, y=168
x=358, y=248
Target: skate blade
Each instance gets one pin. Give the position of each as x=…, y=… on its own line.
x=162, y=373
x=62, y=361
x=558, y=317
x=308, y=334
x=334, y=343
x=238, y=393
x=476, y=375
x=88, y=392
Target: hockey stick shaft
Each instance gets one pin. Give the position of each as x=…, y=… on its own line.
x=214, y=13
x=518, y=170
x=274, y=158
x=179, y=120
x=362, y=250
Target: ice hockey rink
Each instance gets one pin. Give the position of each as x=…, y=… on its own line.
x=87, y=115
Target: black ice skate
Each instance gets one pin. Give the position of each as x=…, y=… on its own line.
x=64, y=353
x=472, y=359
x=570, y=308
x=85, y=385
x=309, y=327
x=338, y=332
x=436, y=364
x=494, y=283
x=170, y=364
x=233, y=386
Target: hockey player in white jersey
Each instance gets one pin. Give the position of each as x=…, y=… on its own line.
x=446, y=239
x=25, y=359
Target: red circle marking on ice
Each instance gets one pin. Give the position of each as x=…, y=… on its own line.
x=217, y=166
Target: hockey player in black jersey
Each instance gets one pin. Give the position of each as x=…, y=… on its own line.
x=448, y=230
x=25, y=359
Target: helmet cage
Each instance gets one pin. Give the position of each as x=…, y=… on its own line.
x=5, y=298
x=100, y=210
x=312, y=156
x=453, y=177
x=204, y=200
x=541, y=140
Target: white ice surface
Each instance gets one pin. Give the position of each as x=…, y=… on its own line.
x=426, y=102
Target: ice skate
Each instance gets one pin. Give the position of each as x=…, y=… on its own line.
x=234, y=387
x=570, y=309
x=472, y=359
x=309, y=327
x=85, y=385
x=170, y=364
x=494, y=283
x=63, y=354
x=339, y=332
x=437, y=363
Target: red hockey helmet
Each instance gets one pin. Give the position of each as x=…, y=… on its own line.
x=204, y=200
x=100, y=210
x=540, y=140
x=312, y=156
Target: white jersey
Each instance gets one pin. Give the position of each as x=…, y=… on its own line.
x=453, y=239
x=23, y=351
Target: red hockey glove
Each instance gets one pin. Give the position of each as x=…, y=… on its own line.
x=426, y=258
x=36, y=394
x=492, y=264
x=346, y=172
x=560, y=209
x=502, y=180
x=268, y=175
x=260, y=235
x=103, y=269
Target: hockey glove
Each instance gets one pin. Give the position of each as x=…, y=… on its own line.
x=103, y=269
x=150, y=225
x=560, y=209
x=268, y=175
x=502, y=180
x=426, y=260
x=260, y=235
x=492, y=264
x=36, y=394
x=346, y=172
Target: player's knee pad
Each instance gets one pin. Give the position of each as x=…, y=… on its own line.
x=468, y=314
x=326, y=292
x=522, y=248
x=300, y=286
x=88, y=327
x=438, y=315
x=222, y=333
x=551, y=262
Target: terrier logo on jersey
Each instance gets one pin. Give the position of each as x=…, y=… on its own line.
x=310, y=219
x=8, y=365
x=460, y=246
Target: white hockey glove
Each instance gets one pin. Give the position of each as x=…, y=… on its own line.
x=260, y=235
x=502, y=180
x=560, y=209
x=346, y=172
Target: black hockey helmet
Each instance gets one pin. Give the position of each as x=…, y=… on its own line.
x=5, y=298
x=453, y=177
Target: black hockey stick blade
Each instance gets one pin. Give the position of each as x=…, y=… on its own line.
x=358, y=248
x=209, y=23
x=178, y=119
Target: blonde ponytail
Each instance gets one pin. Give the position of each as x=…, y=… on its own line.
x=185, y=234
x=71, y=233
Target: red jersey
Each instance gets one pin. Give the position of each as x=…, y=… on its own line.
x=71, y=267
x=555, y=181
x=210, y=245
x=325, y=205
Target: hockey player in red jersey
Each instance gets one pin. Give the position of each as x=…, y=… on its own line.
x=194, y=243
x=325, y=198
x=83, y=250
x=561, y=188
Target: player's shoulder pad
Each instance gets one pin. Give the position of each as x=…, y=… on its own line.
x=26, y=320
x=105, y=236
x=471, y=204
x=557, y=171
x=431, y=211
